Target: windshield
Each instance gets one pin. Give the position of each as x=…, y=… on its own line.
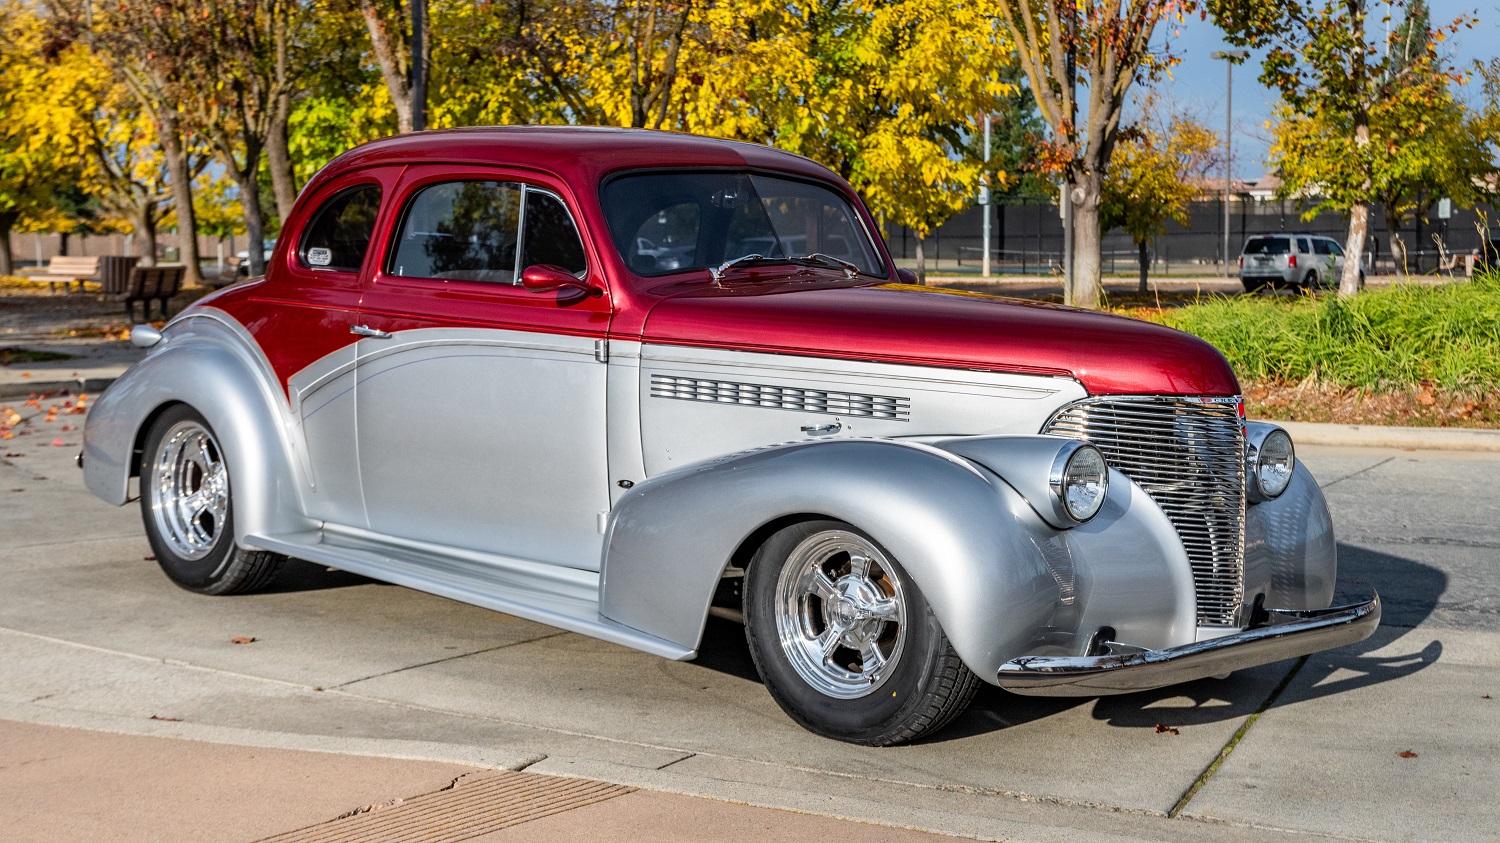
x=1268, y=246
x=668, y=222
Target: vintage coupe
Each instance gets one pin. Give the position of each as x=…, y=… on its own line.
x=614, y=380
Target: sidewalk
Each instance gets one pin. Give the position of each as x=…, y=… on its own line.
x=71, y=784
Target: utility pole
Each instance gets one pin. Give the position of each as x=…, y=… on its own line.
x=984, y=198
x=418, y=65
x=1231, y=57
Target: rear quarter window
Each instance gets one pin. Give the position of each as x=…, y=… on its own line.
x=340, y=231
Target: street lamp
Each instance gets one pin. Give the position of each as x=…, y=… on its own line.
x=1231, y=58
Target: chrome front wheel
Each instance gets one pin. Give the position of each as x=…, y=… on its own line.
x=844, y=639
x=840, y=614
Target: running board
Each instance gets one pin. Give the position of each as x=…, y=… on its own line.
x=566, y=598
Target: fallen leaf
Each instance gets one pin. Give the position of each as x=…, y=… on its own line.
x=1406, y=753
x=1167, y=729
x=167, y=719
x=148, y=558
x=18, y=490
x=240, y=639
x=58, y=443
x=1486, y=697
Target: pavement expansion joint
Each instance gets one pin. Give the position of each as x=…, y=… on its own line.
x=472, y=805
x=448, y=658
x=1354, y=474
x=1234, y=740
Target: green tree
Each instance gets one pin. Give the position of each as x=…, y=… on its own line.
x=1151, y=179
x=1106, y=46
x=1356, y=116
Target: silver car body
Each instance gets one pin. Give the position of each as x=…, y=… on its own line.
x=948, y=483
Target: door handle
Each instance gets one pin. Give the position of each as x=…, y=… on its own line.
x=832, y=427
x=367, y=331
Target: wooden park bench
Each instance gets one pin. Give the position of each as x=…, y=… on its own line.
x=66, y=269
x=147, y=283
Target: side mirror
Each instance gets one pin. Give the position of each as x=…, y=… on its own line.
x=906, y=276
x=546, y=278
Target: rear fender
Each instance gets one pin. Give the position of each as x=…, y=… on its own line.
x=211, y=366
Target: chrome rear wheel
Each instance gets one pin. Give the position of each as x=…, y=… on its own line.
x=188, y=509
x=189, y=489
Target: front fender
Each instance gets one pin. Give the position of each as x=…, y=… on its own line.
x=1001, y=581
x=967, y=540
x=207, y=366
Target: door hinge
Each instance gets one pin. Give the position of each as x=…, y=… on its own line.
x=601, y=350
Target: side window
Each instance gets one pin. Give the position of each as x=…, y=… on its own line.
x=1321, y=247
x=340, y=231
x=1335, y=249
x=1304, y=245
x=550, y=236
x=460, y=230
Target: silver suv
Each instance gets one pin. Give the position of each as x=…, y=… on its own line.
x=1306, y=261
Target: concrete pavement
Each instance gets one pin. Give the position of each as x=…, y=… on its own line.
x=92, y=636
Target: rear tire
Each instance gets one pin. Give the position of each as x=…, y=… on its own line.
x=188, y=510
x=1252, y=285
x=844, y=640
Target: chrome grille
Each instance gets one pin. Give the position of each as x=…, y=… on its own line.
x=889, y=407
x=1189, y=455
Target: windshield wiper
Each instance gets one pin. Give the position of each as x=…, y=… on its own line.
x=718, y=272
x=850, y=270
x=813, y=259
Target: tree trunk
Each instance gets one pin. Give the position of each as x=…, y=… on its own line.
x=182, y=196
x=279, y=159
x=921, y=260
x=389, y=57
x=1145, y=264
x=7, y=263
x=1354, y=249
x=62, y=242
x=255, y=228
x=143, y=223
x=1398, y=246
x=1086, y=254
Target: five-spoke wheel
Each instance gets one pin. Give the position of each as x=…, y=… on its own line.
x=188, y=508
x=845, y=640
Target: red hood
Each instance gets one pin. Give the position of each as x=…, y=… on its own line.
x=899, y=324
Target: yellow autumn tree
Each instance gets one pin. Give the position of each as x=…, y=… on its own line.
x=1151, y=177
x=41, y=137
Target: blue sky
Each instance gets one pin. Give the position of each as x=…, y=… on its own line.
x=1197, y=84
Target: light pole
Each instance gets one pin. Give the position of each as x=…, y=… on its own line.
x=1231, y=57
x=984, y=198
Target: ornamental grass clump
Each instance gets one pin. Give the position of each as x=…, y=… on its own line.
x=1384, y=339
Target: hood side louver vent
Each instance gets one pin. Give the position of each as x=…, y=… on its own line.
x=796, y=399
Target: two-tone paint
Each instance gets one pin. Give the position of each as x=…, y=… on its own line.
x=598, y=462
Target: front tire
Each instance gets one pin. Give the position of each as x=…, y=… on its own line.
x=188, y=510
x=845, y=641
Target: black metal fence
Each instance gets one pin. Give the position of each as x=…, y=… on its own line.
x=1028, y=238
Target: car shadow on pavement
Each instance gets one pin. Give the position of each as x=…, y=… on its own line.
x=1409, y=592
x=307, y=576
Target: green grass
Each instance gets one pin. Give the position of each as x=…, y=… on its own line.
x=1382, y=339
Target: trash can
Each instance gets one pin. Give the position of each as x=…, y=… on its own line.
x=114, y=273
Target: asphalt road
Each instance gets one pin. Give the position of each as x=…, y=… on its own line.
x=1395, y=739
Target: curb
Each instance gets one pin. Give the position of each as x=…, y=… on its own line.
x=1378, y=436
x=23, y=389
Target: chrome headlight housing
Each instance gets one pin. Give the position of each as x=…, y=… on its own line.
x=1079, y=481
x=1270, y=460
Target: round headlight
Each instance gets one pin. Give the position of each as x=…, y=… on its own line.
x=1080, y=479
x=1274, y=461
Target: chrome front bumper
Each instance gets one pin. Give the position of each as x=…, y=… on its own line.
x=1286, y=634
